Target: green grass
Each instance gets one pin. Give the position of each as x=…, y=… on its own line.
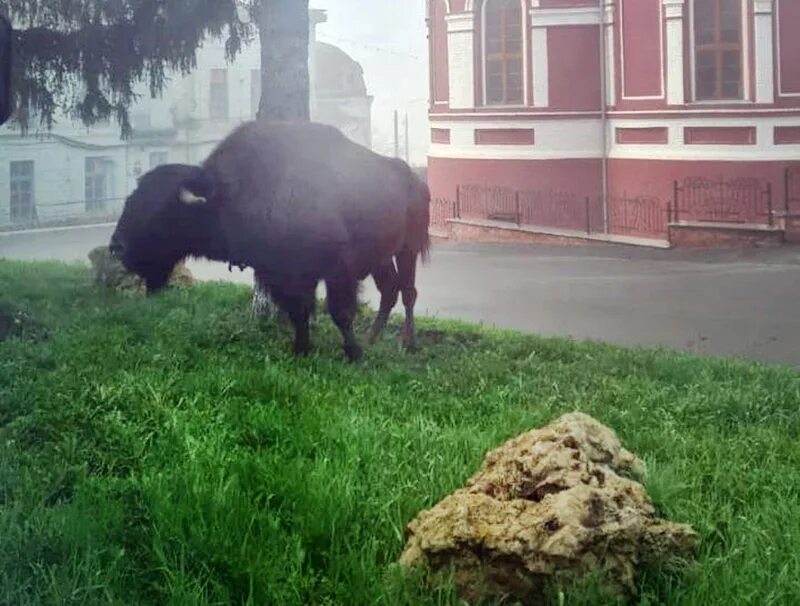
x=171, y=451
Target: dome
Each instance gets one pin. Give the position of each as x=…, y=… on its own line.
x=337, y=74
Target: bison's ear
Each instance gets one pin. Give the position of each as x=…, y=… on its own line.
x=197, y=189
x=187, y=196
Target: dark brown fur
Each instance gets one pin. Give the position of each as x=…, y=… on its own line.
x=299, y=203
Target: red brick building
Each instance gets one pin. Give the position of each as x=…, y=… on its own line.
x=618, y=116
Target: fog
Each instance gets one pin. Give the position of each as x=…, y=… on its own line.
x=389, y=39
x=73, y=173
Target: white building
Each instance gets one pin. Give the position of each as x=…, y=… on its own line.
x=78, y=174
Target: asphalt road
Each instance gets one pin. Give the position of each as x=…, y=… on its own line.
x=722, y=303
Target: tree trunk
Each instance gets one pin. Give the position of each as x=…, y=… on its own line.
x=283, y=27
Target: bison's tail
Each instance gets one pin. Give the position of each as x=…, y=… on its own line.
x=425, y=251
x=418, y=237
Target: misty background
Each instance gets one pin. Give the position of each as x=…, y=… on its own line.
x=77, y=174
x=389, y=39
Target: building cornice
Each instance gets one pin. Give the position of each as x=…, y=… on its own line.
x=460, y=22
x=553, y=17
x=673, y=9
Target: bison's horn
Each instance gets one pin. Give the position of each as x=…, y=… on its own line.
x=189, y=197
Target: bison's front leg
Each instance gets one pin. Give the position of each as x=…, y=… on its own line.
x=298, y=306
x=342, y=305
x=261, y=306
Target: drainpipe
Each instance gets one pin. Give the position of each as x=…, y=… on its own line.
x=603, y=111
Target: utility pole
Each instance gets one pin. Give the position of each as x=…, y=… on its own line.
x=408, y=155
x=396, y=136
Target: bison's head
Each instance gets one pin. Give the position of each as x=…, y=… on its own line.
x=164, y=220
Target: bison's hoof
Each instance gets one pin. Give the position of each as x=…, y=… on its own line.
x=411, y=345
x=353, y=352
x=302, y=349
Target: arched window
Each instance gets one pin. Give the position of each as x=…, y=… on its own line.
x=503, y=52
x=718, y=44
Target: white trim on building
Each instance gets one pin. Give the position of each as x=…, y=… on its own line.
x=610, y=52
x=461, y=59
x=764, y=51
x=556, y=17
x=674, y=15
x=578, y=138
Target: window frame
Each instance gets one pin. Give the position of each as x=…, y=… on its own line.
x=13, y=182
x=523, y=101
x=94, y=203
x=226, y=97
x=745, y=95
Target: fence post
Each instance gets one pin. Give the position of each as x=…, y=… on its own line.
x=588, y=216
x=458, y=201
x=770, y=218
x=672, y=216
x=517, y=209
x=787, y=188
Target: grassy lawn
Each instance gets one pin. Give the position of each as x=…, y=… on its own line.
x=171, y=451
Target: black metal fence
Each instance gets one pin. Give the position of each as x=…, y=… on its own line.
x=442, y=210
x=546, y=208
x=792, y=181
x=644, y=216
x=740, y=200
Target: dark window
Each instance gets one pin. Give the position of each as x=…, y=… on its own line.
x=718, y=49
x=218, y=94
x=21, y=190
x=503, y=29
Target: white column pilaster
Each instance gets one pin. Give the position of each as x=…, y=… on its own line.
x=674, y=15
x=461, y=56
x=540, y=61
x=764, y=51
x=610, y=58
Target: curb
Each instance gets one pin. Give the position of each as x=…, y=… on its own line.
x=44, y=230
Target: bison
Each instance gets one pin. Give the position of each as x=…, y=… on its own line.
x=299, y=203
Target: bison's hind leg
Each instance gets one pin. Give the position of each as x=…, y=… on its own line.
x=386, y=280
x=407, y=277
x=342, y=305
x=298, y=305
